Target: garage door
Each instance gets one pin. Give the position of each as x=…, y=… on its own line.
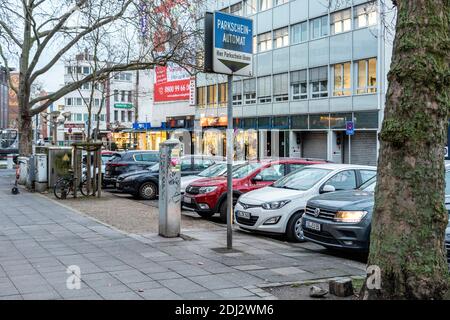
x=364, y=148
x=314, y=145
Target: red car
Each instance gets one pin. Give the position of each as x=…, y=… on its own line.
x=208, y=196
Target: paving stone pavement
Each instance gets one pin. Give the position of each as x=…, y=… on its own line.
x=40, y=239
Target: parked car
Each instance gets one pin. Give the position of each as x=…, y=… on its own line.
x=129, y=161
x=278, y=208
x=144, y=184
x=342, y=220
x=208, y=196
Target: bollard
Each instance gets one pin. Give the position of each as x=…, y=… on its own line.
x=10, y=161
x=169, y=189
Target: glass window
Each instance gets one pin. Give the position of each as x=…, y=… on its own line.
x=264, y=122
x=299, y=32
x=86, y=70
x=250, y=91
x=366, y=75
x=130, y=95
x=202, y=164
x=365, y=15
x=264, y=41
x=319, y=27
x=273, y=173
x=211, y=95
x=280, y=87
x=299, y=85
x=186, y=164
x=296, y=166
x=318, y=79
x=150, y=157
x=122, y=116
x=116, y=115
x=281, y=122
x=366, y=120
x=339, y=120
x=341, y=21
x=265, y=89
x=279, y=2
x=130, y=116
x=79, y=117
x=250, y=7
x=299, y=122
x=319, y=121
x=366, y=175
x=265, y=4
x=237, y=93
x=68, y=101
x=303, y=179
x=223, y=93
x=280, y=37
x=201, y=96
x=342, y=83
x=244, y=171
x=345, y=180
x=236, y=9
x=116, y=95
x=250, y=123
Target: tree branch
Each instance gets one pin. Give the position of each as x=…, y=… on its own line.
x=10, y=34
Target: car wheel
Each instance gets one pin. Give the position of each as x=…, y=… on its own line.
x=205, y=215
x=147, y=191
x=223, y=209
x=294, y=231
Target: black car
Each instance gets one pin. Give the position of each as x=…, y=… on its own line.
x=342, y=220
x=144, y=184
x=126, y=162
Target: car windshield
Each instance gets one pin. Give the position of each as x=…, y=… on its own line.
x=243, y=171
x=213, y=171
x=303, y=179
x=369, y=185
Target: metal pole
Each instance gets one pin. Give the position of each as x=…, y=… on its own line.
x=230, y=149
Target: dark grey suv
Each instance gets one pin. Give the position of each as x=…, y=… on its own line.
x=342, y=220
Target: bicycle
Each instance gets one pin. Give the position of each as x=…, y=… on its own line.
x=65, y=186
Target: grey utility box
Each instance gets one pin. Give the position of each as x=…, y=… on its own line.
x=169, y=188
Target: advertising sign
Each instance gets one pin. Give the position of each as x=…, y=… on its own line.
x=172, y=84
x=232, y=44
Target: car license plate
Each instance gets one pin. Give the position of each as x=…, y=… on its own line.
x=117, y=185
x=244, y=215
x=312, y=225
x=187, y=200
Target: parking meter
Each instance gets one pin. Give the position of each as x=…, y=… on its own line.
x=169, y=188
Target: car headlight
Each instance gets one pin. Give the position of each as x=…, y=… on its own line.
x=275, y=204
x=350, y=216
x=206, y=189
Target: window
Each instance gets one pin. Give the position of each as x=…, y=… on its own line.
x=280, y=87
x=264, y=41
x=295, y=166
x=102, y=117
x=116, y=115
x=299, y=87
x=122, y=96
x=69, y=101
x=299, y=32
x=342, y=83
x=319, y=27
x=122, y=116
x=318, y=79
x=236, y=9
x=79, y=101
x=366, y=175
x=86, y=70
x=250, y=7
x=150, y=157
x=265, y=4
x=85, y=117
x=341, y=21
x=366, y=71
x=365, y=15
x=201, y=94
x=97, y=102
x=345, y=180
x=202, y=164
x=250, y=91
x=265, y=89
x=223, y=90
x=272, y=173
x=130, y=116
x=280, y=38
x=79, y=69
x=237, y=93
x=130, y=95
x=79, y=117
x=211, y=95
x=279, y=2
x=85, y=86
x=366, y=120
x=116, y=95
x=68, y=70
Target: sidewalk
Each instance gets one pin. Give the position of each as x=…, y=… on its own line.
x=39, y=239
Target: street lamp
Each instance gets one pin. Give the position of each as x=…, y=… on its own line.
x=55, y=118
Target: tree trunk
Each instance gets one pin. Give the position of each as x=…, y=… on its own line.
x=409, y=220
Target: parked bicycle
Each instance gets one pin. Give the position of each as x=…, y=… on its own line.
x=66, y=185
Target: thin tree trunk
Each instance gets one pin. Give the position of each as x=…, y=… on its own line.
x=26, y=131
x=409, y=217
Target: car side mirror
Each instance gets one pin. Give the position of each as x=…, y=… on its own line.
x=328, y=188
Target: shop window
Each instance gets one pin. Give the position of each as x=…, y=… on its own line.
x=299, y=32
x=365, y=15
x=342, y=83
x=341, y=21
x=281, y=122
x=339, y=120
x=265, y=4
x=319, y=121
x=264, y=123
x=265, y=41
x=250, y=123
x=237, y=93
x=366, y=75
x=299, y=122
x=366, y=120
x=318, y=79
x=250, y=91
x=280, y=87
x=265, y=89
x=299, y=86
x=281, y=37
x=319, y=27
x=211, y=94
x=201, y=96
x=223, y=94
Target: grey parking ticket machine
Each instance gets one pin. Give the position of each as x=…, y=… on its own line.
x=169, y=188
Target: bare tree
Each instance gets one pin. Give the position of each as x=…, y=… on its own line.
x=36, y=34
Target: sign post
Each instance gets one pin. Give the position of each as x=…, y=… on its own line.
x=229, y=50
x=350, y=130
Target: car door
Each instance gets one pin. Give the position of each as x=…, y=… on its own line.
x=343, y=180
x=187, y=167
x=365, y=175
x=267, y=176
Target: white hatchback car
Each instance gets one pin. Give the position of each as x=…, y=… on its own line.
x=277, y=209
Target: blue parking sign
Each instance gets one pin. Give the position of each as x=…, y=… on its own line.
x=350, y=128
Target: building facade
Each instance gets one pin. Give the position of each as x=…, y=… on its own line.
x=317, y=65
x=4, y=92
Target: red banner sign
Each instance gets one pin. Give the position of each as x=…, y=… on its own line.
x=172, y=91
